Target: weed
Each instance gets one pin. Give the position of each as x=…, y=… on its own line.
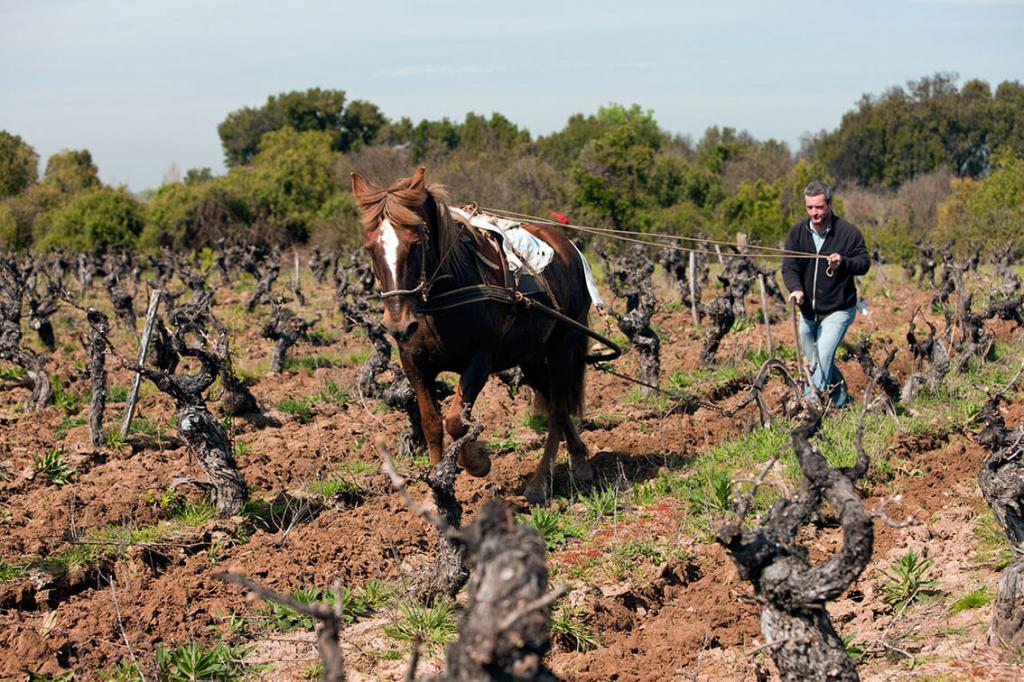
x=298, y=408
x=905, y=581
x=192, y=661
x=601, y=503
x=972, y=600
x=313, y=671
x=53, y=466
x=357, y=467
x=742, y=323
x=335, y=487
x=569, y=629
x=549, y=524
x=854, y=649
x=332, y=393
x=10, y=572
x=123, y=671
x=311, y=362
x=117, y=394
x=320, y=337
x=713, y=492
x=66, y=425
x=537, y=422
x=432, y=626
x=500, y=447
x=374, y=595
x=62, y=397
x=195, y=513
x=992, y=545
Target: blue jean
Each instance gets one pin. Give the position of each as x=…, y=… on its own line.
x=820, y=339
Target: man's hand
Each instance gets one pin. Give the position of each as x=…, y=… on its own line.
x=834, y=260
x=797, y=297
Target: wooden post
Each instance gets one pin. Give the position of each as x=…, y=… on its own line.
x=295, y=279
x=147, y=333
x=718, y=252
x=693, y=287
x=764, y=311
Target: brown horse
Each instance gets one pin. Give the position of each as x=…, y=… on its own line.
x=451, y=305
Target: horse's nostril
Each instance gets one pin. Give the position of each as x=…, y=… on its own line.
x=411, y=329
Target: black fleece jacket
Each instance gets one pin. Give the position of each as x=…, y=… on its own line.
x=823, y=294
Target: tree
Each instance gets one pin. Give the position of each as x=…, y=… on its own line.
x=988, y=211
x=615, y=171
x=19, y=165
x=71, y=171
x=313, y=110
x=289, y=180
x=96, y=220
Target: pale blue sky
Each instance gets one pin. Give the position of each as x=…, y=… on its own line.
x=143, y=84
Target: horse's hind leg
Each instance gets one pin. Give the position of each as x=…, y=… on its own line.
x=579, y=464
x=541, y=483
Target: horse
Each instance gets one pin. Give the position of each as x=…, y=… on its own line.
x=451, y=304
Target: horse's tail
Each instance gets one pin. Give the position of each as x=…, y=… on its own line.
x=569, y=386
x=576, y=390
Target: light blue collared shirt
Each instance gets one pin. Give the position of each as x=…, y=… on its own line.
x=819, y=239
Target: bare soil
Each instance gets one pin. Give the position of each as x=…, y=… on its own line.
x=686, y=616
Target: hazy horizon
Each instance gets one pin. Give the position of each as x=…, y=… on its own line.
x=144, y=85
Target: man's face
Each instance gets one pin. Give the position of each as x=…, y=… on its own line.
x=818, y=210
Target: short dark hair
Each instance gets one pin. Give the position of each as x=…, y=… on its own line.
x=817, y=188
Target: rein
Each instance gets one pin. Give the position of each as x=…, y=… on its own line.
x=476, y=293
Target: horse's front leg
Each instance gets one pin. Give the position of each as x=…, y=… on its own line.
x=430, y=413
x=473, y=456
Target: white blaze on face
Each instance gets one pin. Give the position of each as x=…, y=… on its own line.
x=389, y=240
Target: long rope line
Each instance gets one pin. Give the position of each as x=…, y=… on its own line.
x=652, y=239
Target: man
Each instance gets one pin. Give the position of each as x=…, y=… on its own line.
x=823, y=287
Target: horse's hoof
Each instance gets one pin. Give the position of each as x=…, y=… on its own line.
x=536, y=493
x=474, y=459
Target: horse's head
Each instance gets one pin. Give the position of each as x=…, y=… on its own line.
x=397, y=228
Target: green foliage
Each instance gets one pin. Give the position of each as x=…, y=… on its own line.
x=570, y=630
x=931, y=123
x=537, y=422
x=757, y=211
x=94, y=221
x=992, y=546
x=288, y=181
x=432, y=626
x=905, y=582
x=18, y=164
x=10, y=572
x=551, y=525
x=195, y=513
x=615, y=173
x=972, y=600
x=315, y=110
x=298, y=408
x=192, y=661
x=193, y=215
x=335, y=487
x=71, y=172
x=53, y=466
x=988, y=210
x=601, y=503
x=123, y=671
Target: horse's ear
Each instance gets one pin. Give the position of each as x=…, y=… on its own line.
x=358, y=184
x=416, y=181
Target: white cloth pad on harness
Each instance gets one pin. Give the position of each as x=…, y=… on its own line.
x=517, y=241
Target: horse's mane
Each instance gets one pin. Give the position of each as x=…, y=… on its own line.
x=399, y=204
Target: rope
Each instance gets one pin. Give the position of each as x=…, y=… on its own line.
x=638, y=237
x=679, y=397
